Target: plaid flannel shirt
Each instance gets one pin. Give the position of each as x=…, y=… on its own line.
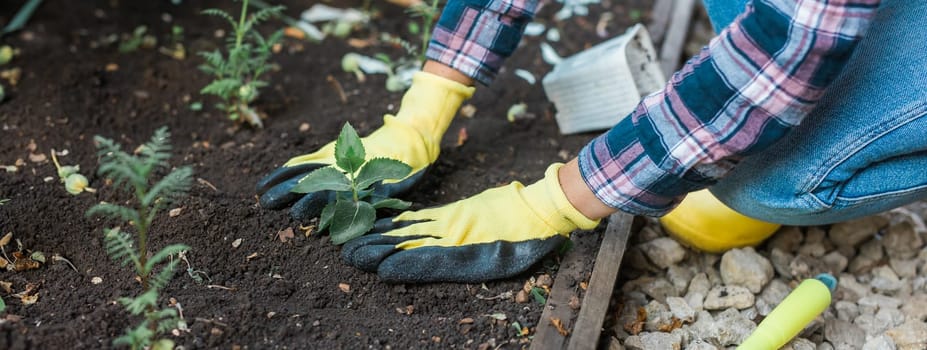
x=753, y=82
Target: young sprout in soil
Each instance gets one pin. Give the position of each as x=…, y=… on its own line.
x=237, y=75
x=428, y=13
x=69, y=175
x=133, y=173
x=354, y=210
x=138, y=38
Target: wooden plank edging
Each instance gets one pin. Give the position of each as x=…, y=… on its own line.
x=588, y=326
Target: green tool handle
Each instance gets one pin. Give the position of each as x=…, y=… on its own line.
x=799, y=308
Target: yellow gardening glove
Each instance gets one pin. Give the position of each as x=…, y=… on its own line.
x=495, y=234
x=703, y=222
x=412, y=136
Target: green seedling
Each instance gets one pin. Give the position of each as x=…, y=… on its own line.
x=175, y=48
x=354, y=211
x=538, y=294
x=427, y=13
x=133, y=173
x=237, y=75
x=70, y=176
x=138, y=39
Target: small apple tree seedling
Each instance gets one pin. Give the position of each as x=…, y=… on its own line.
x=237, y=76
x=132, y=173
x=351, y=215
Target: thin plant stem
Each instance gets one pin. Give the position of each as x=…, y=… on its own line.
x=428, y=21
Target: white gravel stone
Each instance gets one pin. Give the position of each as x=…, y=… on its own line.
x=698, y=290
x=681, y=309
x=744, y=267
x=771, y=296
x=836, y=262
x=909, y=336
x=905, y=268
x=816, y=249
x=843, y=334
x=884, y=279
x=825, y=346
x=660, y=340
x=723, y=297
x=680, y=276
x=663, y=251
x=787, y=239
x=851, y=289
x=780, y=261
x=847, y=311
x=870, y=254
x=901, y=241
x=657, y=315
x=870, y=325
x=873, y=303
x=915, y=307
x=881, y=342
x=857, y=231
x=700, y=345
x=732, y=327
x=704, y=327
x=799, y=344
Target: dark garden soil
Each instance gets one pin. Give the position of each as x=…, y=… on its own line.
x=268, y=292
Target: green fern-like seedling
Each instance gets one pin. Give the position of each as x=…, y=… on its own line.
x=237, y=75
x=133, y=173
x=353, y=212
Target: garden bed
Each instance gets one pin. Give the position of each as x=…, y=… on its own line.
x=271, y=290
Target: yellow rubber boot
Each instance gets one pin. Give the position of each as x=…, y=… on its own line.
x=703, y=222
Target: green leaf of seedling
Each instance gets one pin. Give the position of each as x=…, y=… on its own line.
x=379, y=169
x=392, y=203
x=351, y=220
x=326, y=218
x=164, y=253
x=323, y=179
x=349, y=151
x=538, y=295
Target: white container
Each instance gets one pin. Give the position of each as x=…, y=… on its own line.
x=596, y=88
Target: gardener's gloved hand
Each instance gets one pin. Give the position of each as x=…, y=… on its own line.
x=495, y=234
x=412, y=136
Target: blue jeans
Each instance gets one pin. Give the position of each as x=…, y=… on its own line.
x=863, y=149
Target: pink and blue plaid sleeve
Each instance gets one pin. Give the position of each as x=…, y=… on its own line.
x=753, y=82
x=476, y=36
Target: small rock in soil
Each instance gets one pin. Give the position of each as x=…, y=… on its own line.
x=344, y=287
x=901, y=241
x=680, y=309
x=842, y=334
x=733, y=328
x=910, y=335
x=521, y=297
x=881, y=342
x=799, y=344
x=857, y=231
x=723, y=297
x=663, y=251
x=744, y=267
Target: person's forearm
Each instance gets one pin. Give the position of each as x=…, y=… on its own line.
x=475, y=37
x=444, y=71
x=579, y=194
x=753, y=83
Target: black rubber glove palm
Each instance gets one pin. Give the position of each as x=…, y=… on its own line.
x=496, y=234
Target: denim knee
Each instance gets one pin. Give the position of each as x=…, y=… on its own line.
x=772, y=204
